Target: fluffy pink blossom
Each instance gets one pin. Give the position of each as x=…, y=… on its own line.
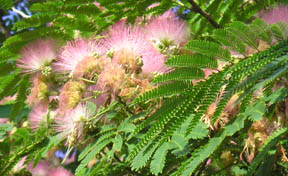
x=167, y=32
x=71, y=124
x=129, y=47
x=39, y=91
x=38, y=54
x=59, y=171
x=70, y=95
x=38, y=116
x=276, y=14
x=98, y=100
x=112, y=78
x=41, y=169
x=78, y=57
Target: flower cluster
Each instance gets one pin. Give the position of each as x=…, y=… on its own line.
x=114, y=67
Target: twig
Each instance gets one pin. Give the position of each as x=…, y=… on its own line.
x=197, y=9
x=20, y=13
x=3, y=27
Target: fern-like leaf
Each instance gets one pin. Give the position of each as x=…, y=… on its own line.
x=181, y=74
x=209, y=49
x=158, y=160
x=164, y=90
x=195, y=61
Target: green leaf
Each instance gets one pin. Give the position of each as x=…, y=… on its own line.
x=127, y=127
x=6, y=4
x=20, y=100
x=143, y=157
x=230, y=40
x=158, y=160
x=256, y=112
x=280, y=31
x=181, y=74
x=245, y=34
x=179, y=145
x=96, y=149
x=91, y=107
x=5, y=110
x=209, y=49
x=168, y=89
x=117, y=143
x=200, y=131
x=53, y=141
x=195, y=61
x=4, y=128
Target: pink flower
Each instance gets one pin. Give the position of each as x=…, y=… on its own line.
x=38, y=55
x=39, y=92
x=128, y=47
x=99, y=99
x=79, y=57
x=276, y=14
x=3, y=120
x=38, y=116
x=167, y=32
x=112, y=79
x=71, y=124
x=70, y=95
x=59, y=171
x=41, y=169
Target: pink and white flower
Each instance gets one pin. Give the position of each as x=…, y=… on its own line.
x=41, y=169
x=112, y=78
x=129, y=47
x=70, y=95
x=276, y=14
x=71, y=124
x=39, y=92
x=38, y=55
x=79, y=57
x=167, y=32
x=38, y=116
x=59, y=171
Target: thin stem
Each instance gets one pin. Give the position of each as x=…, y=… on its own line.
x=98, y=114
x=67, y=154
x=88, y=98
x=87, y=80
x=181, y=4
x=20, y=13
x=197, y=9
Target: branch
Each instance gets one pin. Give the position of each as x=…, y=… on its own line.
x=3, y=27
x=197, y=9
x=22, y=14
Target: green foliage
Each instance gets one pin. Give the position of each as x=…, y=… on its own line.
x=209, y=49
x=194, y=61
x=263, y=151
x=169, y=89
x=4, y=128
x=158, y=160
x=180, y=74
x=20, y=100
